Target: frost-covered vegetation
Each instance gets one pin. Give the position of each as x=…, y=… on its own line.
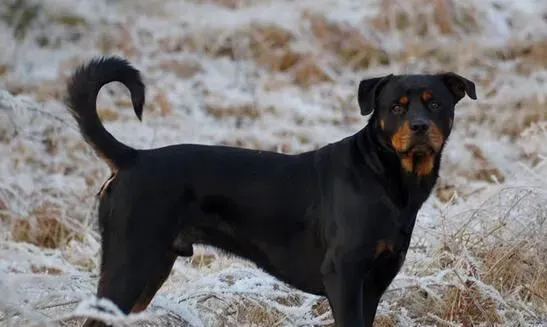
x=277, y=75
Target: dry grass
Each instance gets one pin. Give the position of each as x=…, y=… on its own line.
x=251, y=313
x=108, y=114
x=463, y=273
x=267, y=44
x=44, y=227
x=230, y=4
x=270, y=46
x=486, y=172
x=469, y=308
x=223, y=110
x=162, y=102
x=384, y=321
x=183, y=68
x=45, y=270
x=484, y=279
x=345, y=42
x=201, y=260
x=517, y=270
x=426, y=17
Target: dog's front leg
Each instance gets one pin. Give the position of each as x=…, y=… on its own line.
x=371, y=298
x=376, y=283
x=343, y=281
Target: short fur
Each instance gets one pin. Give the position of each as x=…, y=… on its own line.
x=336, y=221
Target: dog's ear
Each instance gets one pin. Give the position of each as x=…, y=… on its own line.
x=368, y=91
x=459, y=85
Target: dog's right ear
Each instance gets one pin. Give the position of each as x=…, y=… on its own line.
x=368, y=91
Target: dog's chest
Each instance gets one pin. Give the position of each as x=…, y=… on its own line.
x=390, y=253
x=392, y=235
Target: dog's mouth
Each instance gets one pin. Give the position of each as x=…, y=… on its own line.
x=421, y=146
x=419, y=158
x=421, y=149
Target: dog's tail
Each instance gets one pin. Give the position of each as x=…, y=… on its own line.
x=83, y=87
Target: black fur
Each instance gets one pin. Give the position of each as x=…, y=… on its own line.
x=336, y=221
x=84, y=86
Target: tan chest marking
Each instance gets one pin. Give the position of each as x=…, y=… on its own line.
x=383, y=246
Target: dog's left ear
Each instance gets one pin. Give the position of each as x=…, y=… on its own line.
x=368, y=91
x=459, y=85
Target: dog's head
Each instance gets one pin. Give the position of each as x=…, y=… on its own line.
x=413, y=114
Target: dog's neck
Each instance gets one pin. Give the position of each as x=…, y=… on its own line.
x=407, y=189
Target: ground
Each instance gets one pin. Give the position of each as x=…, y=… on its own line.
x=278, y=75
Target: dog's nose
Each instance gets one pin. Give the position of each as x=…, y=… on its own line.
x=419, y=126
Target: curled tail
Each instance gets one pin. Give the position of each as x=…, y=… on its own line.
x=83, y=88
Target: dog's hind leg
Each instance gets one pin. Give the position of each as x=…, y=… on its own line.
x=160, y=275
x=136, y=259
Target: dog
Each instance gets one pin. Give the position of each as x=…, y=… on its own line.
x=336, y=221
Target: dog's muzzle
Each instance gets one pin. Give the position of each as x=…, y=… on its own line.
x=418, y=136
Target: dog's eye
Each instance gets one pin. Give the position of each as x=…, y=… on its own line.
x=397, y=108
x=434, y=105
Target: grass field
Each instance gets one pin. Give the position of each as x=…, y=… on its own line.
x=279, y=75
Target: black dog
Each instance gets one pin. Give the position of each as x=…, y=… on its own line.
x=336, y=221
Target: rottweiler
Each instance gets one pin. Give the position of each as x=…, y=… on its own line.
x=336, y=221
